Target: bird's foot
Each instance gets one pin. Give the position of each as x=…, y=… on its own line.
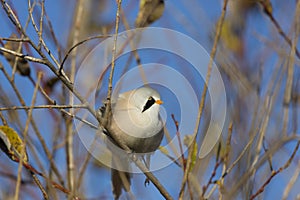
x=147, y=182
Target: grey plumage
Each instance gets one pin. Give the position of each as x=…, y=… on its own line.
x=139, y=127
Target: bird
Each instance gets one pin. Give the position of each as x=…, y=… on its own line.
x=137, y=123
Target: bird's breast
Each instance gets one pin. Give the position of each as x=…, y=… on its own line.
x=137, y=124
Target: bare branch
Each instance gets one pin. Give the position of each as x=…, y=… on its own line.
x=203, y=96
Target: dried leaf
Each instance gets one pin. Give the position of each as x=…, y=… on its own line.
x=268, y=8
x=231, y=36
x=149, y=12
x=11, y=144
x=50, y=83
x=22, y=65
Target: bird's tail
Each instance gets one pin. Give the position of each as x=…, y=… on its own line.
x=120, y=179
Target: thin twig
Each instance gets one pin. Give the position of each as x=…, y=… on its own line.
x=182, y=153
x=60, y=107
x=57, y=44
x=14, y=177
x=274, y=173
x=34, y=126
x=42, y=107
x=15, y=39
x=278, y=27
x=39, y=184
x=107, y=113
x=32, y=170
x=203, y=96
x=224, y=159
x=20, y=55
x=290, y=71
x=84, y=167
x=25, y=139
x=59, y=73
x=151, y=177
x=41, y=40
x=262, y=131
x=291, y=182
x=4, y=122
x=69, y=125
x=179, y=141
x=135, y=52
x=78, y=44
x=272, y=92
x=273, y=149
x=40, y=33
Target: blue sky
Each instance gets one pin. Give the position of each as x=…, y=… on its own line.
x=196, y=19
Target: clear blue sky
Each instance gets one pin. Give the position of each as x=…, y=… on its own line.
x=195, y=19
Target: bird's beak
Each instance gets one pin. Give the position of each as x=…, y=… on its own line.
x=159, y=102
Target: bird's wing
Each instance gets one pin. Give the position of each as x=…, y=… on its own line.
x=125, y=95
x=123, y=103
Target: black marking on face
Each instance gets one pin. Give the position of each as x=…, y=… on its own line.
x=148, y=104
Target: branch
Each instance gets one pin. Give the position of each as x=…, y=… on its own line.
x=60, y=74
x=268, y=12
x=20, y=55
x=274, y=173
x=203, y=96
x=78, y=44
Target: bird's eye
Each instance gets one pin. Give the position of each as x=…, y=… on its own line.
x=148, y=104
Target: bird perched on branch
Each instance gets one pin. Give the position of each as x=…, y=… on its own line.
x=136, y=122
